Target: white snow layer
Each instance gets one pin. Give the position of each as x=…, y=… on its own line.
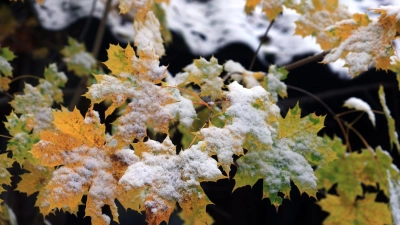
x=358, y=104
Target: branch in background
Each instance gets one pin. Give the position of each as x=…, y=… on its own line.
x=95, y=51
x=307, y=60
x=88, y=22
x=264, y=38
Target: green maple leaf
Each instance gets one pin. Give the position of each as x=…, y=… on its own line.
x=206, y=74
x=391, y=124
x=23, y=140
x=5, y=56
x=350, y=170
x=78, y=59
x=362, y=211
x=295, y=148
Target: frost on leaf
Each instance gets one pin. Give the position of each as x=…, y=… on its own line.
x=171, y=178
x=183, y=110
x=350, y=170
x=316, y=15
x=358, y=104
x=78, y=59
x=273, y=82
x=362, y=42
x=294, y=149
x=86, y=164
x=250, y=117
x=5, y=176
x=362, y=211
x=206, y=74
x=147, y=33
x=271, y=8
x=5, y=68
x=394, y=138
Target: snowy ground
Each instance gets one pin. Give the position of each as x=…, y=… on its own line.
x=207, y=25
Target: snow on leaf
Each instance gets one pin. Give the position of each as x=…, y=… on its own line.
x=171, y=178
x=273, y=82
x=358, y=104
x=206, y=74
x=126, y=5
x=5, y=68
x=147, y=33
x=20, y=128
x=394, y=198
x=50, y=86
x=77, y=58
x=148, y=107
x=183, y=109
x=391, y=124
x=295, y=148
x=88, y=165
x=316, y=15
x=251, y=117
x=34, y=103
x=249, y=78
x=362, y=42
x=251, y=5
x=362, y=211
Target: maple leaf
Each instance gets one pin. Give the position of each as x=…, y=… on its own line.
x=350, y=170
x=295, y=148
x=50, y=85
x=78, y=59
x=395, y=67
x=206, y=75
x=5, y=67
x=135, y=79
x=139, y=5
x=362, y=211
x=88, y=166
x=171, y=178
x=147, y=33
x=23, y=140
x=391, y=124
x=315, y=16
x=273, y=82
x=35, y=181
x=5, y=176
x=362, y=42
x=250, y=117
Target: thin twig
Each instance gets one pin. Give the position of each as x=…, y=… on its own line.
x=263, y=39
x=226, y=77
x=327, y=108
x=5, y=136
x=88, y=21
x=307, y=60
x=25, y=76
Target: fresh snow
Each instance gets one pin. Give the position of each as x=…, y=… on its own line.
x=359, y=104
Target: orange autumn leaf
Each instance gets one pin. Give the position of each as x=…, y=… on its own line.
x=87, y=166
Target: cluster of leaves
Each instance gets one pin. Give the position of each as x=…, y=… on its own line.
x=69, y=156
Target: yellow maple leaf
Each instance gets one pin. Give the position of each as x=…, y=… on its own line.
x=362, y=42
x=119, y=59
x=362, y=211
x=316, y=16
x=88, y=165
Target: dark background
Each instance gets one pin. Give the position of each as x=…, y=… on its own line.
x=244, y=206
